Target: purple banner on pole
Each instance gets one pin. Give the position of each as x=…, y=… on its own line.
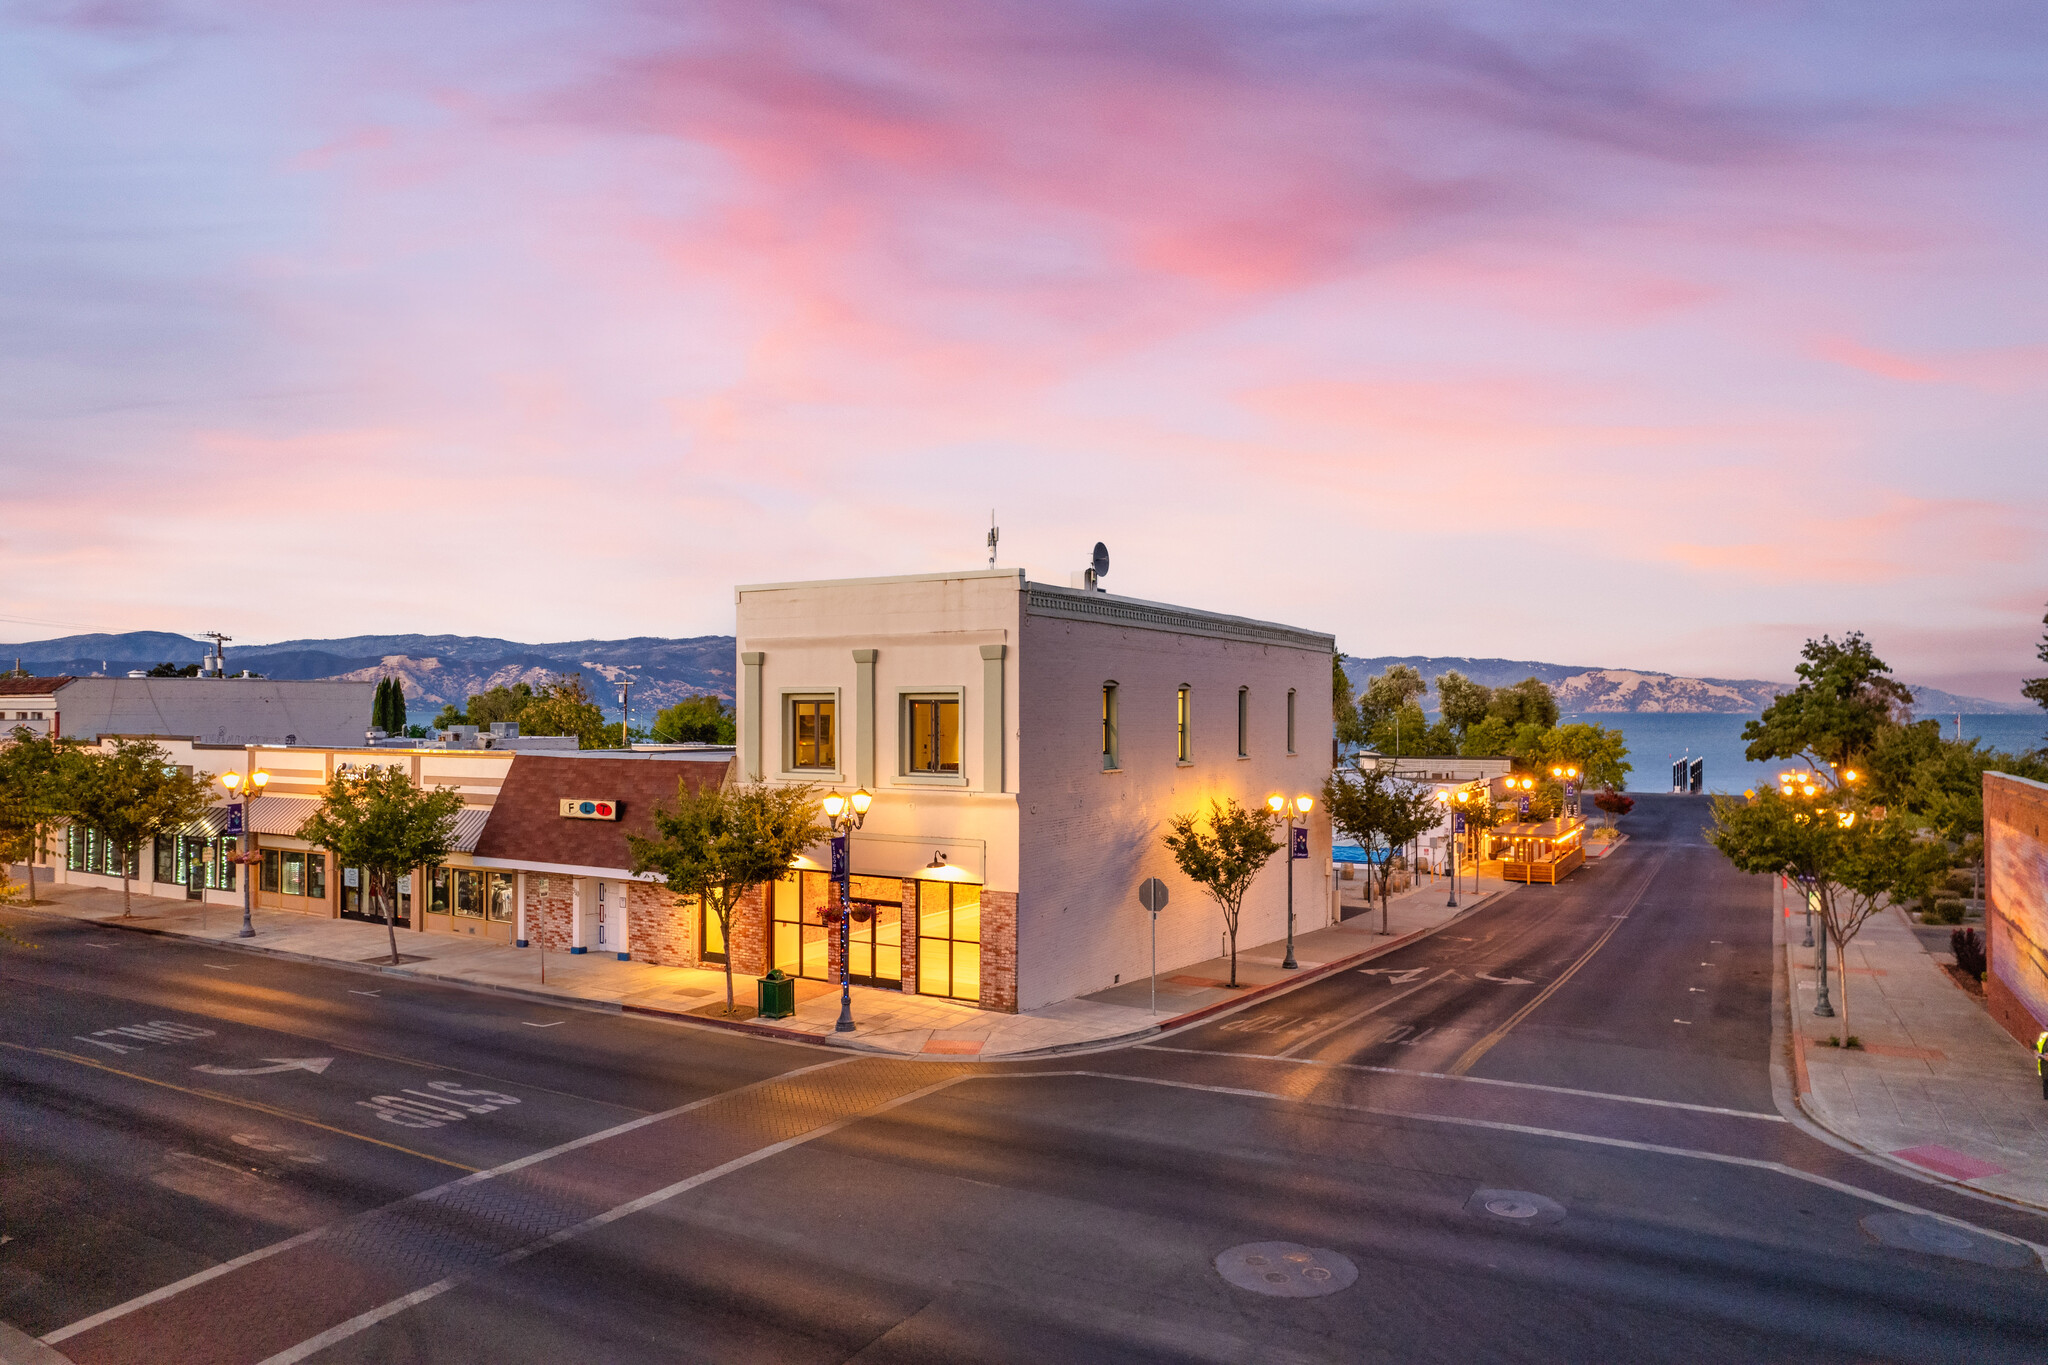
x=1300, y=842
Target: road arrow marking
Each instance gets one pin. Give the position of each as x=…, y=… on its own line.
x=1503, y=980
x=316, y=1065
x=362, y=992
x=1394, y=975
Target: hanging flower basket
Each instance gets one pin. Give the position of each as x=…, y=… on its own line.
x=862, y=914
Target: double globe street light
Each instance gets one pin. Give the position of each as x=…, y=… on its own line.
x=1300, y=805
x=1456, y=817
x=844, y=815
x=248, y=786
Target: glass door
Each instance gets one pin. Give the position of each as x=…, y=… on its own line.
x=798, y=940
x=877, y=939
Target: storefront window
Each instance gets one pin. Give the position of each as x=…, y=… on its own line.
x=166, y=869
x=439, y=891
x=469, y=893
x=501, y=899
x=220, y=872
x=294, y=874
x=798, y=943
x=708, y=931
x=949, y=940
x=316, y=876
x=273, y=877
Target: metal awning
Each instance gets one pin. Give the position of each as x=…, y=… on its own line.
x=208, y=825
x=282, y=814
x=469, y=827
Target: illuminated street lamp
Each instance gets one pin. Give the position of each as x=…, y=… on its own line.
x=1565, y=772
x=1455, y=817
x=845, y=814
x=248, y=787
x=1280, y=805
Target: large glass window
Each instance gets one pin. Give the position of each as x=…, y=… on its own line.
x=949, y=940
x=877, y=934
x=273, y=875
x=316, y=876
x=812, y=734
x=440, y=892
x=88, y=850
x=797, y=937
x=469, y=893
x=166, y=869
x=499, y=891
x=934, y=729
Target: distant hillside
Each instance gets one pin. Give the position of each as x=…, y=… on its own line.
x=1611, y=690
x=450, y=668
x=436, y=669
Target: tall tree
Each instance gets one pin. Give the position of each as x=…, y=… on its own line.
x=714, y=846
x=1464, y=703
x=700, y=719
x=1831, y=718
x=379, y=821
x=1381, y=813
x=131, y=793
x=1528, y=702
x=1384, y=696
x=33, y=772
x=1350, y=728
x=2037, y=688
x=1832, y=844
x=563, y=707
x=1224, y=858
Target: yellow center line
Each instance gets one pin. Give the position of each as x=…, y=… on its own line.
x=1472, y=1054
x=259, y=1107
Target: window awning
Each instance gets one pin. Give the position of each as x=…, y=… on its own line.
x=469, y=827
x=208, y=825
x=282, y=814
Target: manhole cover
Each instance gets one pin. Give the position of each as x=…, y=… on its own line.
x=1924, y=1233
x=1286, y=1270
x=1515, y=1206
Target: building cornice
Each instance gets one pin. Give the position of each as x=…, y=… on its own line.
x=1074, y=604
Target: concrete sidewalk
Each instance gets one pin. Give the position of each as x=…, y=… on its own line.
x=886, y=1021
x=1937, y=1086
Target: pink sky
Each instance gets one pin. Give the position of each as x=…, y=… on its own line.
x=1643, y=338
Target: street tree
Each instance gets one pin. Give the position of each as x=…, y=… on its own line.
x=1381, y=813
x=715, y=845
x=1832, y=844
x=1615, y=803
x=704, y=718
x=377, y=820
x=1831, y=719
x=131, y=793
x=1528, y=702
x=1225, y=858
x=32, y=779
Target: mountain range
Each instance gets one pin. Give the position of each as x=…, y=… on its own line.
x=440, y=669
x=1609, y=690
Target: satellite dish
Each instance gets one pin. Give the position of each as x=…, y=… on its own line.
x=1100, y=562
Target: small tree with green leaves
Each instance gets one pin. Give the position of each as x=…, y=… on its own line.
x=379, y=821
x=715, y=845
x=563, y=706
x=1849, y=861
x=131, y=793
x=701, y=719
x=1381, y=813
x=1224, y=859
x=33, y=771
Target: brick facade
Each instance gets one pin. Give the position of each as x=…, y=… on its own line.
x=2016, y=904
x=548, y=913
x=999, y=951
x=659, y=929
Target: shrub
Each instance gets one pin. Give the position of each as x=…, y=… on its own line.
x=1968, y=946
x=1947, y=910
x=1961, y=883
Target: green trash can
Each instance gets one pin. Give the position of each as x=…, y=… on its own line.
x=778, y=996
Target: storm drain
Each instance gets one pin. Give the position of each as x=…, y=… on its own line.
x=1935, y=1237
x=1515, y=1206
x=1286, y=1270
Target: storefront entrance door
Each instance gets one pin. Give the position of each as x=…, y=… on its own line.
x=877, y=947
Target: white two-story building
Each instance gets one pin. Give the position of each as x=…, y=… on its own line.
x=1025, y=745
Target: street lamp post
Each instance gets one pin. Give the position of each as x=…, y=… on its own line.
x=1568, y=775
x=1456, y=819
x=248, y=787
x=845, y=814
x=1280, y=805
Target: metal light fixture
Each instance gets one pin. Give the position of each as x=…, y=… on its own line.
x=845, y=814
x=248, y=786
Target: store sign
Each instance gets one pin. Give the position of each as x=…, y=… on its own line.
x=574, y=809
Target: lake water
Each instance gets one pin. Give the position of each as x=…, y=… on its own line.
x=1657, y=740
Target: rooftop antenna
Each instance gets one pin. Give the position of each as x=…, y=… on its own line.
x=1088, y=579
x=995, y=533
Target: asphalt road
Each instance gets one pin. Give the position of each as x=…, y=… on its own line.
x=1546, y=1133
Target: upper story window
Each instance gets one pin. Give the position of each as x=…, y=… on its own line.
x=1244, y=722
x=1290, y=720
x=1109, y=727
x=933, y=724
x=814, y=733
x=1183, y=744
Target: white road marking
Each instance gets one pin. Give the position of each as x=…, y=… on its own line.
x=215, y=966
x=1681, y=1021
x=1395, y=975
x=131, y=1035
x=1659, y=1149
x=1375, y=1007
x=530, y=1024
x=316, y=1065
x=1697, y=990
x=1468, y=1080
x=172, y=1290
x=365, y=992
x=1503, y=980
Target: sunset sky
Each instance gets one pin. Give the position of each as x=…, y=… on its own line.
x=1607, y=334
